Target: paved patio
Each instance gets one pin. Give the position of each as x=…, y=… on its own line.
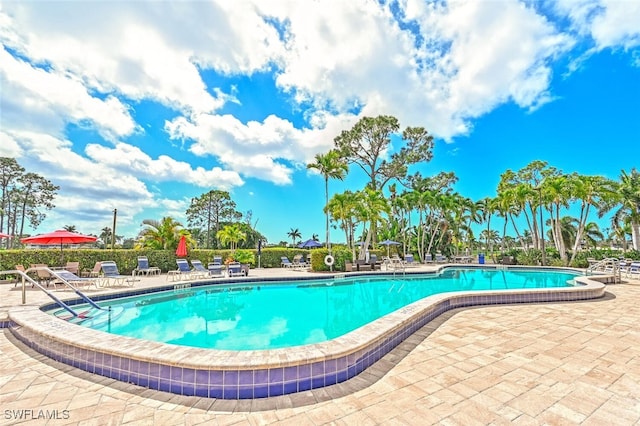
x=563, y=363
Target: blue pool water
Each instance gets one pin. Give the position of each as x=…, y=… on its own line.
x=270, y=315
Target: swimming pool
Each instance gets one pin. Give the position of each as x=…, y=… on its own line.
x=282, y=314
x=229, y=374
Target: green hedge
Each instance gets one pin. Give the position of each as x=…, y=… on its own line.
x=127, y=260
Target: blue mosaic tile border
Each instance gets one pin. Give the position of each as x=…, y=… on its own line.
x=267, y=382
x=231, y=384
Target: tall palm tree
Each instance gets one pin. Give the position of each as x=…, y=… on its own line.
x=70, y=228
x=293, y=234
x=558, y=191
x=330, y=165
x=487, y=207
x=372, y=205
x=342, y=208
x=595, y=191
x=568, y=229
x=629, y=199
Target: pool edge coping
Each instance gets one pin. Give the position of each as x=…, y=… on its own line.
x=381, y=334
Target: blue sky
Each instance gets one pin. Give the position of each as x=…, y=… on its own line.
x=140, y=106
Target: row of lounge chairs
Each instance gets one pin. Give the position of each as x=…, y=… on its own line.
x=104, y=274
x=299, y=262
x=214, y=269
x=630, y=268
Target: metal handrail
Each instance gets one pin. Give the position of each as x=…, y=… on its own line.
x=25, y=278
x=68, y=284
x=602, y=265
x=62, y=280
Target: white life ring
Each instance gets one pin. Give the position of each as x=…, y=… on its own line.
x=329, y=260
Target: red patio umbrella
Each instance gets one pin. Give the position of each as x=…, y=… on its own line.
x=181, y=251
x=59, y=237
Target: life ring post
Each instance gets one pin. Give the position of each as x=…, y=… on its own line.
x=329, y=261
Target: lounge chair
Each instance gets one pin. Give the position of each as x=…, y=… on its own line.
x=299, y=262
x=235, y=269
x=215, y=269
x=217, y=260
x=42, y=274
x=93, y=273
x=285, y=262
x=144, y=268
x=409, y=261
x=441, y=258
x=73, y=267
x=363, y=265
x=633, y=270
x=185, y=271
x=428, y=258
x=198, y=267
x=19, y=278
x=111, y=274
x=73, y=279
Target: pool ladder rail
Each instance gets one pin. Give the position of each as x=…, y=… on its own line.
x=607, y=266
x=26, y=278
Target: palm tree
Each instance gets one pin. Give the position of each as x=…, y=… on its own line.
x=342, y=208
x=160, y=235
x=594, y=191
x=568, y=229
x=231, y=234
x=491, y=237
x=629, y=198
x=105, y=235
x=293, y=234
x=487, y=207
x=70, y=228
x=592, y=234
x=558, y=191
x=372, y=204
x=330, y=165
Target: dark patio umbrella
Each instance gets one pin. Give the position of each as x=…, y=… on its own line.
x=59, y=237
x=389, y=243
x=309, y=244
x=181, y=251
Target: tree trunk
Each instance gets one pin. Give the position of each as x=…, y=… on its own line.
x=584, y=214
x=635, y=235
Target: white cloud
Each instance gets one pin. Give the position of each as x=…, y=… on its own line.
x=89, y=191
x=254, y=150
x=144, y=50
x=434, y=64
x=134, y=161
x=57, y=98
x=9, y=146
x=611, y=23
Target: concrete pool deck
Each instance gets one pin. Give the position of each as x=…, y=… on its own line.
x=574, y=362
